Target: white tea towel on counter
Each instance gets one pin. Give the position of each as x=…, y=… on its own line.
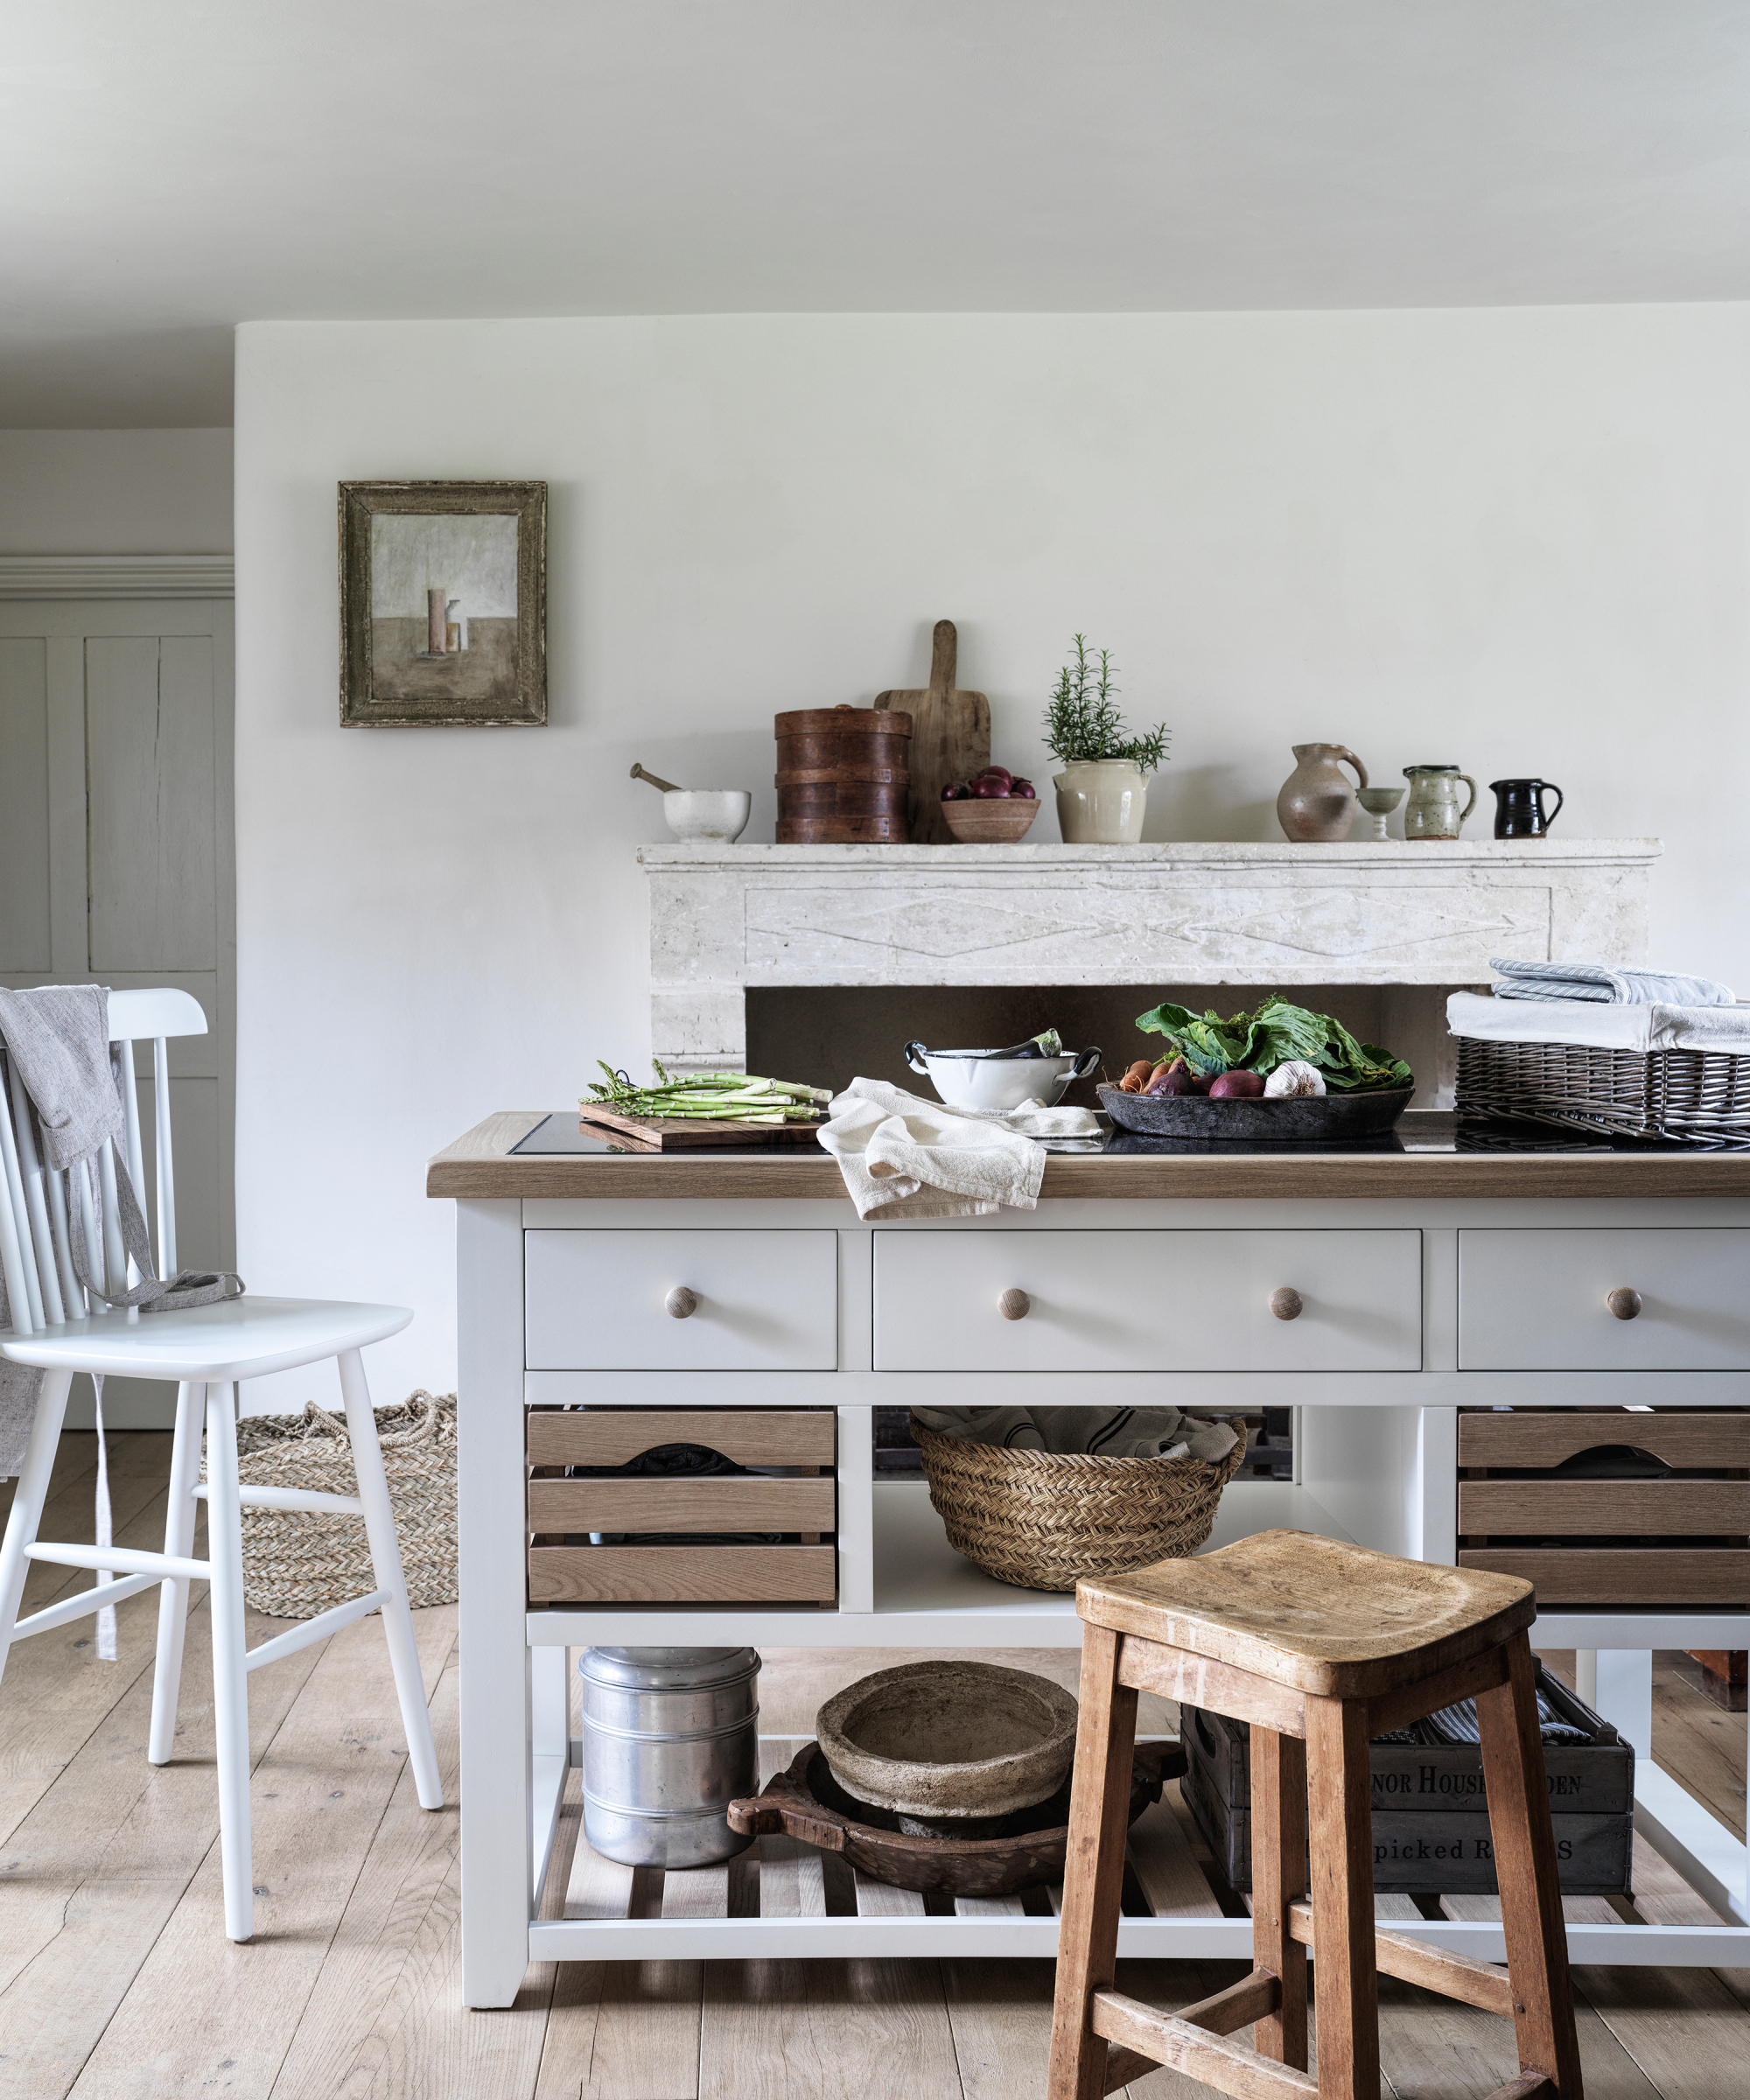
x=903, y=1157
x=1639, y=1028
x=1119, y=1432
x=1594, y=983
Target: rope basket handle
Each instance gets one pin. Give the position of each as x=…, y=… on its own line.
x=419, y=1432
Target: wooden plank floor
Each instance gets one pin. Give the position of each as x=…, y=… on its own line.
x=116, y=1979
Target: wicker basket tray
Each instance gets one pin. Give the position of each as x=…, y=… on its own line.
x=1043, y=1519
x=297, y=1563
x=1695, y=1097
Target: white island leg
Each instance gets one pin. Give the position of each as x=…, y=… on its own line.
x=496, y=1745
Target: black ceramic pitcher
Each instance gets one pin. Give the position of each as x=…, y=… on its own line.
x=1519, y=811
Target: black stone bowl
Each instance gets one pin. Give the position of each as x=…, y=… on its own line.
x=1322, y=1119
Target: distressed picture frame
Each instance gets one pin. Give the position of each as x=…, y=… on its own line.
x=443, y=604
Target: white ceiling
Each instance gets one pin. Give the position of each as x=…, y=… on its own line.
x=169, y=169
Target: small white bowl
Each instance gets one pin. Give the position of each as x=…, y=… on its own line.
x=964, y=1080
x=707, y=812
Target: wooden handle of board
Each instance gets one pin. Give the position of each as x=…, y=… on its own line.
x=944, y=649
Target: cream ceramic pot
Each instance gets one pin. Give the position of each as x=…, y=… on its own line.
x=975, y=1079
x=1101, y=802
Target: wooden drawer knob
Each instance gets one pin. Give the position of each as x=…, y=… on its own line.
x=1014, y=1304
x=1286, y=1303
x=1624, y=1305
x=682, y=1303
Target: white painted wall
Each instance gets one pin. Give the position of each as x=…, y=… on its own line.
x=114, y=492
x=1513, y=539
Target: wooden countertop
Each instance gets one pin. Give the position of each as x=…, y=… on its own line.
x=479, y=1165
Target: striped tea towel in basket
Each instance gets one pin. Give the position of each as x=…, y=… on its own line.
x=297, y=1563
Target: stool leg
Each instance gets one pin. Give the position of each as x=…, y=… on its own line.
x=1524, y=1845
x=1280, y=1879
x=1339, y=1787
x=1094, y=1868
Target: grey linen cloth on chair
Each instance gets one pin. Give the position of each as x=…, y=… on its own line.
x=1113, y=1433
x=57, y=1039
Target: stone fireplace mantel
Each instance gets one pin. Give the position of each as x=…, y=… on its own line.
x=724, y=919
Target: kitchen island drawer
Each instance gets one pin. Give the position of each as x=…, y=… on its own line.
x=1148, y=1300
x=1574, y=1298
x=604, y=1301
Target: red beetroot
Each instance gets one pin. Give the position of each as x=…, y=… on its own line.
x=1236, y=1086
x=1172, y=1080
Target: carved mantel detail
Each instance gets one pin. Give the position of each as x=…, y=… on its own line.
x=723, y=918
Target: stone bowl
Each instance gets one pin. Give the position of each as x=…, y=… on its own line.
x=996, y=820
x=707, y=812
x=1322, y=1119
x=943, y=1740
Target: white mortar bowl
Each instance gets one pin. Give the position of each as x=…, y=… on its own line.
x=949, y=1739
x=707, y=812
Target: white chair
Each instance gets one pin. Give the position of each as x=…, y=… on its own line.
x=208, y=1351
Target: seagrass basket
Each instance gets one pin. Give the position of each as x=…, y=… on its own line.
x=1695, y=1097
x=299, y=1562
x=1043, y=1519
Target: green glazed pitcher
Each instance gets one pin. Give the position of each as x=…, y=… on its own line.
x=1433, y=810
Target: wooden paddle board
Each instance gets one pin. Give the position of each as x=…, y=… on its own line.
x=951, y=738
x=664, y=1134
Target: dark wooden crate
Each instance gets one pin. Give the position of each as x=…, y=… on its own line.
x=1429, y=1805
x=1442, y=1852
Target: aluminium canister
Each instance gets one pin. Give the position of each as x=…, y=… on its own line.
x=670, y=1738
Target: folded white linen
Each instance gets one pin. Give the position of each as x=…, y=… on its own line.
x=903, y=1157
x=1594, y=982
x=1122, y=1433
x=1641, y=1028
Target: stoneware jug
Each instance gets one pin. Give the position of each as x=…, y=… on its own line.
x=1433, y=810
x=1101, y=802
x=1519, y=811
x=1317, y=801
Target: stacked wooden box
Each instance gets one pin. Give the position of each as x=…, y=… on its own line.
x=787, y=1488
x=1431, y=1834
x=1551, y=1493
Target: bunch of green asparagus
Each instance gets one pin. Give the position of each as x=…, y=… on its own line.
x=711, y=1097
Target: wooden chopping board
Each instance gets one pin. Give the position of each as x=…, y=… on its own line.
x=951, y=738
x=677, y=1134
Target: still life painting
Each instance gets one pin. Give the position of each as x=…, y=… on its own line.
x=442, y=604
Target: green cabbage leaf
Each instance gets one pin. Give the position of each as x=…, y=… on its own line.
x=1277, y=1031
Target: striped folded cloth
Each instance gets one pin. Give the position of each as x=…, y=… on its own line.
x=1458, y=1725
x=1122, y=1433
x=1591, y=981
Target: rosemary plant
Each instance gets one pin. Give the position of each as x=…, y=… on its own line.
x=1083, y=722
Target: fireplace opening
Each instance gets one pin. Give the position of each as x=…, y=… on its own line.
x=832, y=1034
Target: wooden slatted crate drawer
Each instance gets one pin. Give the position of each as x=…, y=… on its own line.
x=643, y=1520
x=1679, y=1538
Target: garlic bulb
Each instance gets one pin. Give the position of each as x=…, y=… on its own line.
x=1294, y=1080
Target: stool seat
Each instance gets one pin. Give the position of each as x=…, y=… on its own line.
x=1312, y=1613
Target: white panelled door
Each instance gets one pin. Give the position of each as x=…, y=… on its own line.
x=117, y=864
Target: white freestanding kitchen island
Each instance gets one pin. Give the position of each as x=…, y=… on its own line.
x=1431, y=1280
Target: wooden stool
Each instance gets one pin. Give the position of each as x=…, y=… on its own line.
x=1320, y=1647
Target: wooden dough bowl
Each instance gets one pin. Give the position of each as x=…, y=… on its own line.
x=804, y=1802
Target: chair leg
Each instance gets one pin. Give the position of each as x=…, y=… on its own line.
x=1340, y=1806
x=1094, y=1868
x=1278, y=1881
x=31, y=1492
x=184, y=1476
x=230, y=1671
x=1524, y=1845
x=403, y=1654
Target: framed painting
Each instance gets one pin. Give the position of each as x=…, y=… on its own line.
x=442, y=604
